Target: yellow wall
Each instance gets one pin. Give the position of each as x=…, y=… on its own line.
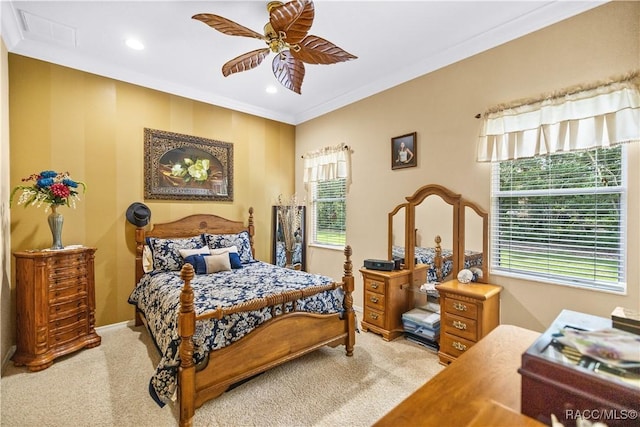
x=91, y=126
x=440, y=107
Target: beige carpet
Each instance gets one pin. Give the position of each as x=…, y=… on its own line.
x=107, y=386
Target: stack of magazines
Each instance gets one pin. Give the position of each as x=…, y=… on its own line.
x=422, y=326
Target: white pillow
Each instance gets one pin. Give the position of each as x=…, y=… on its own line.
x=218, y=262
x=200, y=251
x=147, y=259
x=219, y=251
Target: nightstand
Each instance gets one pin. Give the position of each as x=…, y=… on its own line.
x=55, y=305
x=468, y=312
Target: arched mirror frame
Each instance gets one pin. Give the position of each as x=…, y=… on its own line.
x=484, y=216
x=418, y=197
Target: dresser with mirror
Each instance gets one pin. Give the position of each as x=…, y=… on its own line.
x=435, y=234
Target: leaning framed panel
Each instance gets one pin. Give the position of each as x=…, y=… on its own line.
x=185, y=167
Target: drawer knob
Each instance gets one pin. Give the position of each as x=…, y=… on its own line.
x=374, y=285
x=458, y=346
x=374, y=316
x=373, y=300
x=459, y=306
x=459, y=325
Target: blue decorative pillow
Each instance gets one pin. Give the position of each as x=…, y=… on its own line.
x=197, y=261
x=240, y=241
x=166, y=252
x=234, y=258
x=207, y=264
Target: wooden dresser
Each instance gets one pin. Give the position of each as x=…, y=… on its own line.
x=481, y=389
x=468, y=312
x=386, y=297
x=55, y=305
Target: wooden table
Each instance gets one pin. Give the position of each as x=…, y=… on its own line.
x=482, y=384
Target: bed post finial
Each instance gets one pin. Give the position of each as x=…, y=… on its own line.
x=438, y=258
x=252, y=231
x=186, y=325
x=347, y=286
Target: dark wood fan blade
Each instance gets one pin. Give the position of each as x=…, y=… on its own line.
x=227, y=26
x=293, y=19
x=288, y=70
x=316, y=50
x=245, y=62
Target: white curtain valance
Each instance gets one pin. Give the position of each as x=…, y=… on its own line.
x=327, y=164
x=597, y=117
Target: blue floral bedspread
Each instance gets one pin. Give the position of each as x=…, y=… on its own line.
x=157, y=296
x=425, y=255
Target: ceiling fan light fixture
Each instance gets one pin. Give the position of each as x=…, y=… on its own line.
x=287, y=35
x=271, y=89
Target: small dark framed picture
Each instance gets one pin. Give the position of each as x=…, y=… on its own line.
x=404, y=151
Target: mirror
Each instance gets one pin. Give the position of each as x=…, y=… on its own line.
x=462, y=227
x=397, y=231
x=295, y=257
x=474, y=242
x=433, y=213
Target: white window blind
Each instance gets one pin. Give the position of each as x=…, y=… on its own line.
x=329, y=212
x=561, y=218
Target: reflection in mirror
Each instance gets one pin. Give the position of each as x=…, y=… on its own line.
x=474, y=232
x=295, y=257
x=434, y=217
x=397, y=231
x=433, y=213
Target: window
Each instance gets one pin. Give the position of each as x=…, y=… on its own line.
x=329, y=212
x=560, y=218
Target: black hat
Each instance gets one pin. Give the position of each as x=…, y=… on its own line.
x=138, y=214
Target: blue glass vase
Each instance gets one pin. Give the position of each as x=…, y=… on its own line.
x=55, y=224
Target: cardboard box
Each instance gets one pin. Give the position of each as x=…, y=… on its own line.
x=626, y=319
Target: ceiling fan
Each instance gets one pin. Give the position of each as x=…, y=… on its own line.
x=286, y=36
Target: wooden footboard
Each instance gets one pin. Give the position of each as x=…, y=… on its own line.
x=285, y=337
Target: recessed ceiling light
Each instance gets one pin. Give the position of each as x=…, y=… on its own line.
x=134, y=44
x=272, y=89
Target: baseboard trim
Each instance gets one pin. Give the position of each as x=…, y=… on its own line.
x=119, y=325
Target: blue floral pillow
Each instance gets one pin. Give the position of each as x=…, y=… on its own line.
x=240, y=241
x=166, y=252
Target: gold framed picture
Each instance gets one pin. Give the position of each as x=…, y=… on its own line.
x=185, y=167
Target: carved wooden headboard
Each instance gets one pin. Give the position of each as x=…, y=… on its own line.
x=191, y=226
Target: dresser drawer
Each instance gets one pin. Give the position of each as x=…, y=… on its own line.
x=66, y=335
x=67, y=260
x=453, y=345
x=374, y=317
x=375, y=301
x=68, y=289
x=461, y=308
x=69, y=321
x=373, y=285
x=460, y=326
x=63, y=274
x=67, y=308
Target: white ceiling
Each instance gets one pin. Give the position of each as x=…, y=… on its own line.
x=394, y=41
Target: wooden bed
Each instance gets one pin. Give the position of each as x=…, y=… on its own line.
x=284, y=337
